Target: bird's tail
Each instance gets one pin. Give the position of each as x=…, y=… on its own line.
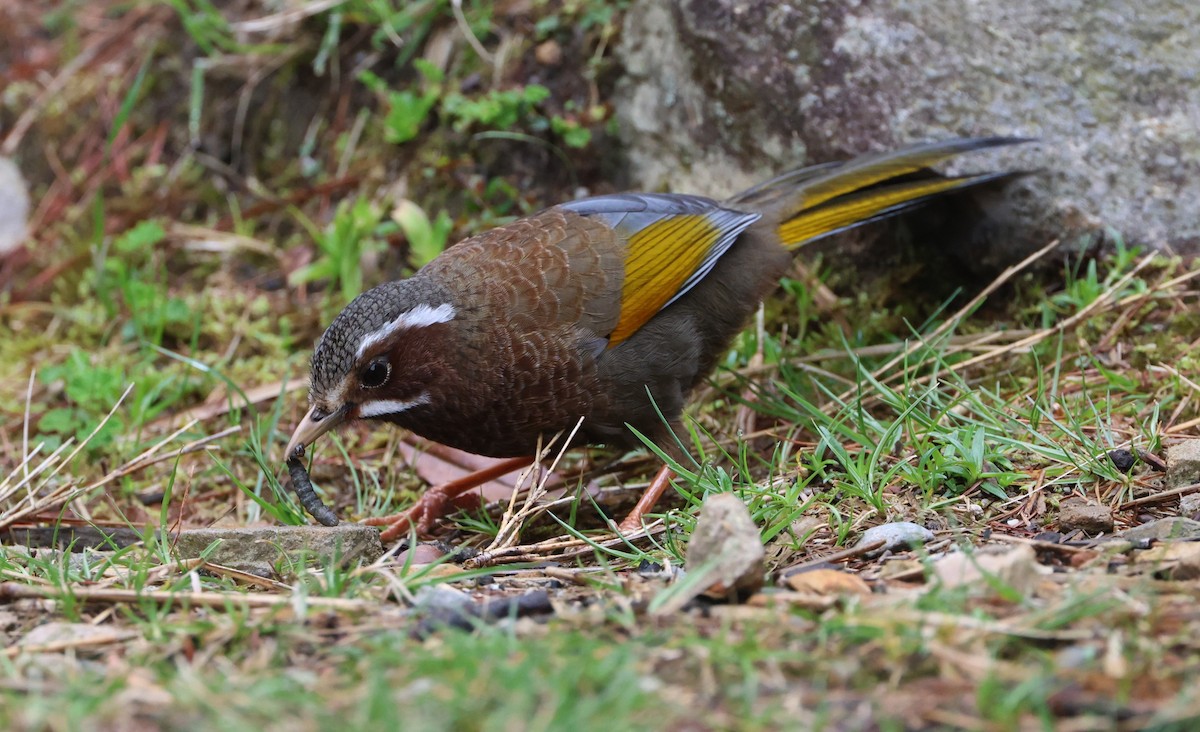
x=817, y=201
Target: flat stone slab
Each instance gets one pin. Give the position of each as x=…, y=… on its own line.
x=260, y=549
x=1165, y=529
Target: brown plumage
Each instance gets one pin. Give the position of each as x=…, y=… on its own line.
x=602, y=308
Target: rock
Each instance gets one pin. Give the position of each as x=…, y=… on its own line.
x=720, y=93
x=441, y=599
x=14, y=206
x=1080, y=514
x=88, y=562
x=259, y=550
x=548, y=53
x=1015, y=567
x=1189, y=505
x=1177, y=560
x=470, y=615
x=1122, y=460
x=1183, y=463
x=724, y=554
x=895, y=535
x=727, y=539
x=1172, y=527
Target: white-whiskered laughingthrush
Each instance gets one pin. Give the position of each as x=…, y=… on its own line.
x=611, y=309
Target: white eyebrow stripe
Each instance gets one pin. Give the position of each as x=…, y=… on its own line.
x=419, y=317
x=390, y=406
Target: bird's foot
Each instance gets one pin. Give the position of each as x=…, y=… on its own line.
x=440, y=500
x=659, y=485
x=431, y=507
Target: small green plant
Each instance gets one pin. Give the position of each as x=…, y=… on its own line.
x=1082, y=288
x=499, y=109
x=407, y=109
x=426, y=239
x=205, y=25
x=91, y=387
x=572, y=133
x=128, y=276
x=354, y=232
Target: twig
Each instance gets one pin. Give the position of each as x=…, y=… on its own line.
x=844, y=554
x=1183, y=379
x=15, y=591
x=52, y=91
x=558, y=548
x=918, y=618
x=1086, y=312
x=962, y=313
x=65, y=493
x=465, y=27
x=1159, y=497
x=113, y=636
x=290, y=16
x=1043, y=545
x=254, y=395
x=70, y=490
x=25, y=424
x=510, y=525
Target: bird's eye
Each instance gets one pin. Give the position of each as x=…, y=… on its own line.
x=376, y=373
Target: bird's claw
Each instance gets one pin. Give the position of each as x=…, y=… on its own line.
x=427, y=510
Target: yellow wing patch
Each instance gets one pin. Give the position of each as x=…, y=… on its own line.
x=662, y=257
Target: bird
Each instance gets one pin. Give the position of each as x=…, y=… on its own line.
x=602, y=313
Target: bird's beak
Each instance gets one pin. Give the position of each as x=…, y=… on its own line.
x=316, y=423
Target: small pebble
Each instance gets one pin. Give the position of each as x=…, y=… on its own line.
x=1077, y=514
x=421, y=554
x=1183, y=464
x=1189, y=505
x=548, y=53
x=1123, y=460
x=895, y=535
x=440, y=599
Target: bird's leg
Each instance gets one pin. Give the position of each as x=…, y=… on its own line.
x=653, y=492
x=434, y=503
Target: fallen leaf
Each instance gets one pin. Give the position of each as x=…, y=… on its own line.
x=53, y=636
x=828, y=582
x=803, y=600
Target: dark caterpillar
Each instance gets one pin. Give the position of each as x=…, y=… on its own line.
x=303, y=486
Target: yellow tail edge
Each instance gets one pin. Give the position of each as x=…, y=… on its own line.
x=873, y=204
x=822, y=200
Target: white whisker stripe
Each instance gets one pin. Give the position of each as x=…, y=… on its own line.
x=419, y=317
x=390, y=406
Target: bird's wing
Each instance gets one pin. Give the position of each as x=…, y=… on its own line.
x=672, y=242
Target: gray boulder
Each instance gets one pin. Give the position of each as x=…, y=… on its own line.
x=721, y=93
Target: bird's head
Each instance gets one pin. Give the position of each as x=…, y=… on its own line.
x=378, y=359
